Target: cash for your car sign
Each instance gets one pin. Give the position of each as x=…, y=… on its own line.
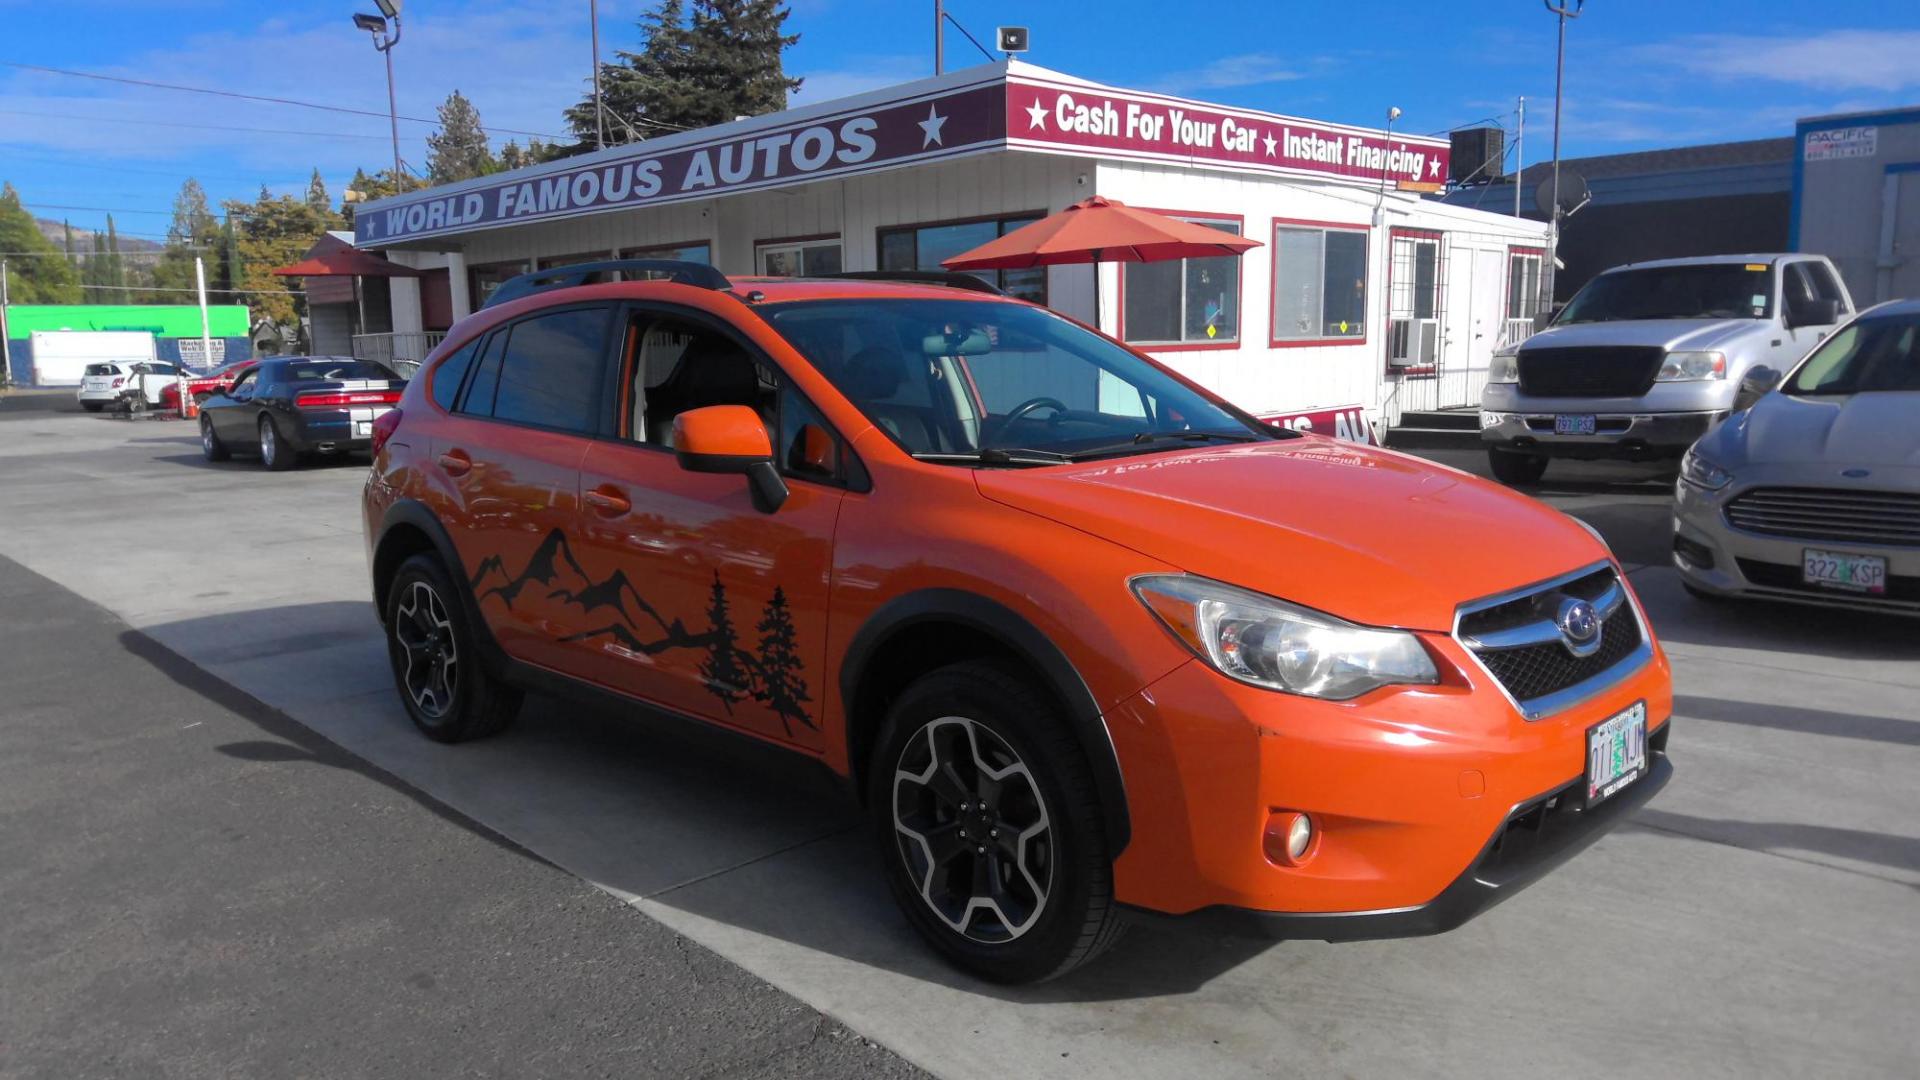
x=1125, y=123
x=682, y=167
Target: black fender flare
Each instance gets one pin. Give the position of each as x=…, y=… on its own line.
x=1020, y=636
x=413, y=513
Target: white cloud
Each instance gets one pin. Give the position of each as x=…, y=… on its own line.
x=1246, y=69
x=1834, y=60
x=875, y=73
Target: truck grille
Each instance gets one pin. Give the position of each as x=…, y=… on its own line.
x=1841, y=514
x=1518, y=640
x=1597, y=371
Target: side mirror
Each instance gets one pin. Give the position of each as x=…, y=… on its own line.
x=1812, y=313
x=1755, y=384
x=730, y=439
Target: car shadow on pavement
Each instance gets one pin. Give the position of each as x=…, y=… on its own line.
x=704, y=821
x=1855, y=845
x=1773, y=626
x=1884, y=729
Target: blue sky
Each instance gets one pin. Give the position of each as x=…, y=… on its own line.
x=1640, y=73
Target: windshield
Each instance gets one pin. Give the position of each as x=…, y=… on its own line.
x=966, y=380
x=1871, y=355
x=1706, y=291
x=308, y=370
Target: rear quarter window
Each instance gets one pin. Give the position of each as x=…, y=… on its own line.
x=448, y=374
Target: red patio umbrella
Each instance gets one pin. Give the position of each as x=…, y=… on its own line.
x=346, y=262
x=1097, y=230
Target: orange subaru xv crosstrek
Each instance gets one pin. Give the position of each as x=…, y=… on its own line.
x=1086, y=639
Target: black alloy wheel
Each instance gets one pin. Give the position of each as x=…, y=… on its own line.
x=275, y=454
x=442, y=679
x=210, y=445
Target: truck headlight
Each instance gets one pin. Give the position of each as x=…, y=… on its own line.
x=1701, y=473
x=1505, y=367
x=1692, y=367
x=1280, y=646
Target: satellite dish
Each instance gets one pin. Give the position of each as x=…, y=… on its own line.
x=1574, y=193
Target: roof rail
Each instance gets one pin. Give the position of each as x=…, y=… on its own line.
x=925, y=277
x=699, y=275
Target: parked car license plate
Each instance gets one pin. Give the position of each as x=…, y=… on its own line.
x=1573, y=424
x=1616, y=753
x=1844, y=570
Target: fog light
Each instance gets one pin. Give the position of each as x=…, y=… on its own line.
x=1492, y=419
x=1290, y=837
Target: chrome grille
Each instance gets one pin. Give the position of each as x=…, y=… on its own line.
x=1517, y=639
x=1842, y=514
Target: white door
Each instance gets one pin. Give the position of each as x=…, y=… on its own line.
x=1472, y=326
x=1899, y=271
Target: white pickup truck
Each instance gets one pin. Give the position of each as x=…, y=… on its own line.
x=1646, y=357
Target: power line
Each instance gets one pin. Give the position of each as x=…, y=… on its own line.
x=197, y=127
x=13, y=155
x=248, y=97
x=96, y=209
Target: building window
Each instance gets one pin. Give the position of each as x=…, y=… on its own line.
x=1523, y=293
x=553, y=262
x=486, y=277
x=1185, y=302
x=1413, y=301
x=922, y=247
x=799, y=258
x=1319, y=285
x=701, y=253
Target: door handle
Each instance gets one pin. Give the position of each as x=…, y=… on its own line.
x=456, y=463
x=608, y=501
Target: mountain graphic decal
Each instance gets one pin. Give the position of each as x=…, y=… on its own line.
x=772, y=676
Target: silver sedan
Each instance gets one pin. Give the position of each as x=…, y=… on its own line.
x=1811, y=493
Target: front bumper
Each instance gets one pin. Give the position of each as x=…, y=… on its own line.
x=1617, y=435
x=1408, y=789
x=1714, y=557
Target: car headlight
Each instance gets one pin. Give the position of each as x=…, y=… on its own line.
x=1701, y=473
x=1280, y=646
x=1505, y=367
x=1692, y=367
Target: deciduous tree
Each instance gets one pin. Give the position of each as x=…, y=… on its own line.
x=38, y=274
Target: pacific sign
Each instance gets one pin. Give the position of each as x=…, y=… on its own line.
x=1167, y=129
x=886, y=134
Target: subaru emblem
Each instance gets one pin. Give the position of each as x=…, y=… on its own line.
x=1579, y=626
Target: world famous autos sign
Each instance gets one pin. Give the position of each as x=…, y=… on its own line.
x=698, y=165
x=1044, y=113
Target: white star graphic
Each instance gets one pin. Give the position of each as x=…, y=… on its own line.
x=931, y=127
x=1269, y=140
x=1036, y=116
x=1433, y=167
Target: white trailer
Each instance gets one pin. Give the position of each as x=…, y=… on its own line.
x=60, y=357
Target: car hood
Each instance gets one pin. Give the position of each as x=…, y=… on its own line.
x=1364, y=534
x=1841, y=430
x=1667, y=333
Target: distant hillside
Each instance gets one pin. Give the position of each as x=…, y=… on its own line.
x=83, y=238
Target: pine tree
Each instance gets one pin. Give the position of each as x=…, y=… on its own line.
x=66, y=230
x=725, y=675
x=365, y=188
x=723, y=61
x=778, y=683
x=458, y=151
x=192, y=232
x=37, y=275
x=116, y=271
x=317, y=198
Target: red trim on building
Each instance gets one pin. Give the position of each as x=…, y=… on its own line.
x=1239, y=300
x=1273, y=276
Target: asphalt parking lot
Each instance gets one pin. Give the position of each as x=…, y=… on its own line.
x=1758, y=918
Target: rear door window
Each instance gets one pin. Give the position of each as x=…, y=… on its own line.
x=551, y=369
x=478, y=400
x=449, y=373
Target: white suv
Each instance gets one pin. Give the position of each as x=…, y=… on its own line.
x=104, y=382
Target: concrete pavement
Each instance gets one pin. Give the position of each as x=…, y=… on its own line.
x=1756, y=919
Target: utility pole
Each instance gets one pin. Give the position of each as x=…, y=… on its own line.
x=385, y=28
x=206, y=327
x=599, y=109
x=1568, y=9
x=6, y=348
x=939, y=35
x=1519, y=156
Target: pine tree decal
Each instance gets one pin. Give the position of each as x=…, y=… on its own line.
x=723, y=671
x=779, y=685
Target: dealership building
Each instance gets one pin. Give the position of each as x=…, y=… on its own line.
x=1365, y=300
x=1856, y=199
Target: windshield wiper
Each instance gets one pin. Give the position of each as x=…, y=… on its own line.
x=1017, y=457
x=1148, y=438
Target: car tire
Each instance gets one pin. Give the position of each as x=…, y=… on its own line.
x=1048, y=878
x=211, y=447
x=1512, y=468
x=275, y=454
x=444, y=683
x=93, y=406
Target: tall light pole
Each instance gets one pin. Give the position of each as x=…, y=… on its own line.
x=384, y=42
x=599, y=110
x=1568, y=9
x=939, y=36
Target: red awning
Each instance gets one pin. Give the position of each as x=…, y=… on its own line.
x=346, y=262
x=1100, y=229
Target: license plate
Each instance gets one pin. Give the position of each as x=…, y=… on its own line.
x=1616, y=753
x=1573, y=424
x=1844, y=570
